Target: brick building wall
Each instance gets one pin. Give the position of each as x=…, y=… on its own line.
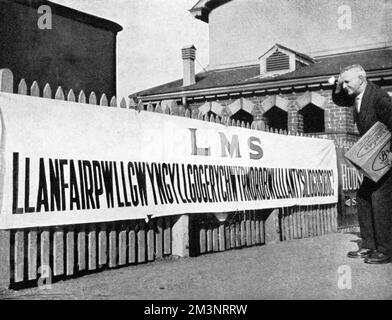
x=338, y=121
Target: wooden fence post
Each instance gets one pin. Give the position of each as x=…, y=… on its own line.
x=271, y=227
x=5, y=258
x=6, y=85
x=6, y=81
x=180, y=236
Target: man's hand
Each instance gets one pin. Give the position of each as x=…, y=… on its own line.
x=336, y=81
x=389, y=158
x=386, y=157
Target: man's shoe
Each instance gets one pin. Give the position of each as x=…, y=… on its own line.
x=378, y=258
x=361, y=253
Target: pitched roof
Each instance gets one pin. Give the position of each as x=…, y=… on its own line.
x=371, y=60
x=279, y=46
x=201, y=10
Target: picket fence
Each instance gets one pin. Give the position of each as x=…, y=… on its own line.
x=36, y=255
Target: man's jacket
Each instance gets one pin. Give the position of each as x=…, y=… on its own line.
x=376, y=106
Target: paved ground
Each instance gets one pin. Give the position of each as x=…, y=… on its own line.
x=298, y=269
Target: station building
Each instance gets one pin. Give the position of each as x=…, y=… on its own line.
x=270, y=61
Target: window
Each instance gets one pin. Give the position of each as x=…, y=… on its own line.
x=277, y=61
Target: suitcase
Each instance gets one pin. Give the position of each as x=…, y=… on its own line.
x=369, y=154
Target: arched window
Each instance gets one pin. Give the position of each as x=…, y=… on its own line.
x=313, y=118
x=276, y=118
x=311, y=107
x=276, y=112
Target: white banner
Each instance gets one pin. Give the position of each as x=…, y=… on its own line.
x=68, y=163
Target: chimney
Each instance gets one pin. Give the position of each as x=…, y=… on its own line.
x=188, y=59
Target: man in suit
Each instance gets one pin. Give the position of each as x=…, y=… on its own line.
x=374, y=200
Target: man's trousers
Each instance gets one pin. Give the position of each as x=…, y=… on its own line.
x=374, y=202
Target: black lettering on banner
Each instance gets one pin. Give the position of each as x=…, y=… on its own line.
x=287, y=183
x=81, y=184
x=203, y=183
x=88, y=184
x=192, y=187
x=119, y=202
x=212, y=183
x=274, y=183
x=124, y=185
x=222, y=176
x=301, y=183
x=293, y=175
x=237, y=172
x=264, y=185
x=98, y=184
x=313, y=182
x=141, y=182
x=27, y=187
x=296, y=183
x=161, y=190
x=185, y=184
x=203, y=191
x=172, y=171
x=151, y=174
x=208, y=183
x=227, y=183
x=320, y=184
x=319, y=187
x=316, y=183
x=55, y=188
x=233, y=184
x=64, y=185
x=196, y=177
x=331, y=182
x=325, y=183
x=175, y=183
x=281, y=183
x=248, y=184
x=257, y=183
x=42, y=194
x=177, y=169
x=165, y=172
x=254, y=182
x=304, y=178
x=243, y=184
x=74, y=198
x=269, y=182
x=15, y=184
x=107, y=174
x=260, y=182
x=283, y=173
x=133, y=188
x=216, y=179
